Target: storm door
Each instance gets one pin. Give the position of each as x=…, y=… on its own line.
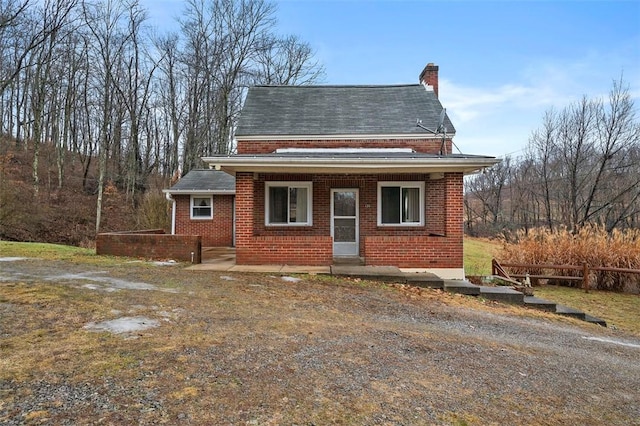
x=344, y=222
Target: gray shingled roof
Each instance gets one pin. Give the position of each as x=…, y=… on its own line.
x=339, y=110
x=205, y=180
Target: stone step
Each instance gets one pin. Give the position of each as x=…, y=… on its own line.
x=502, y=294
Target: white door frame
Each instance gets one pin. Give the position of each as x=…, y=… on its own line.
x=346, y=248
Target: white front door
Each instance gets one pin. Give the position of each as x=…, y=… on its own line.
x=344, y=222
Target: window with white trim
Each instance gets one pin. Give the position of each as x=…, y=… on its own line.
x=400, y=203
x=201, y=207
x=288, y=203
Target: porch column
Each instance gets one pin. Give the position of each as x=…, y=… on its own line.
x=454, y=220
x=454, y=205
x=244, y=213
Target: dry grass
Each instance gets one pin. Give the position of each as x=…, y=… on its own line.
x=258, y=350
x=591, y=245
x=250, y=351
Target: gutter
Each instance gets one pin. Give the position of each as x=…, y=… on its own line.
x=340, y=164
x=170, y=192
x=173, y=211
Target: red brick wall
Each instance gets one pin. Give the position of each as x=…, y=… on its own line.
x=255, y=244
x=150, y=245
x=437, y=244
x=295, y=250
x=428, y=146
x=216, y=232
x=414, y=252
x=423, y=249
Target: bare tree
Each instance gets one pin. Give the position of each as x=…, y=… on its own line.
x=617, y=134
x=82, y=79
x=581, y=166
x=16, y=23
x=229, y=46
x=134, y=94
x=171, y=99
x=287, y=61
x=105, y=22
x=53, y=16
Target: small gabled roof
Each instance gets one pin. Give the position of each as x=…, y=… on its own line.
x=340, y=111
x=204, y=181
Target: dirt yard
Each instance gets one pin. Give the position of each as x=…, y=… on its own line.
x=139, y=343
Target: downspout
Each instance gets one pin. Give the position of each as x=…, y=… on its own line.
x=173, y=213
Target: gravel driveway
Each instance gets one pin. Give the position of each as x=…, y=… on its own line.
x=259, y=349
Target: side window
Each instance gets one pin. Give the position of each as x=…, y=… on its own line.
x=400, y=203
x=288, y=203
x=201, y=207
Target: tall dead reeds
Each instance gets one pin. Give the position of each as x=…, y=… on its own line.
x=591, y=245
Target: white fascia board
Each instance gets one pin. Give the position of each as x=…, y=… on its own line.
x=341, y=137
x=330, y=165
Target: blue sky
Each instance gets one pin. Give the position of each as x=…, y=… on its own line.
x=502, y=63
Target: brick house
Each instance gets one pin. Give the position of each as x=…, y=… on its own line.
x=203, y=204
x=324, y=172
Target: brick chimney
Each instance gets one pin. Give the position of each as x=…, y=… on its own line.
x=429, y=77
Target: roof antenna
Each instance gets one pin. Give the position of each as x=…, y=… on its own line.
x=440, y=130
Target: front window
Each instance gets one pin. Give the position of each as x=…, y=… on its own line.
x=201, y=207
x=401, y=203
x=288, y=203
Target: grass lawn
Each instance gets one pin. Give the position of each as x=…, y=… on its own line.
x=57, y=252
x=620, y=310
x=478, y=253
x=259, y=349
x=617, y=309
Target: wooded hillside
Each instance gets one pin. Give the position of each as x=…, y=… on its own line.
x=88, y=91
x=67, y=215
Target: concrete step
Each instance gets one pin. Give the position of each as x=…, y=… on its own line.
x=502, y=294
x=424, y=279
x=537, y=303
x=570, y=312
x=545, y=305
x=374, y=273
x=348, y=260
x=595, y=320
x=574, y=313
x=461, y=287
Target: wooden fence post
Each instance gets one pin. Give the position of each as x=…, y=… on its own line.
x=585, y=277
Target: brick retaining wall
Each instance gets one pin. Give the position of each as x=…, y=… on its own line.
x=151, y=244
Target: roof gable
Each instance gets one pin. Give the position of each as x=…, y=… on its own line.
x=339, y=110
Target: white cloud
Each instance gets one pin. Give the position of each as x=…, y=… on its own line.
x=498, y=120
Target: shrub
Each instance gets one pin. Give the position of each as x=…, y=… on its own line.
x=591, y=245
x=154, y=212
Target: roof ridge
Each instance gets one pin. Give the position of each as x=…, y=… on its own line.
x=321, y=86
